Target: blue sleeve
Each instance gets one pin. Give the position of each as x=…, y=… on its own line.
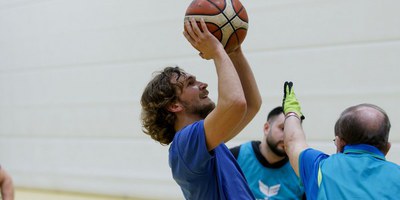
x=192, y=148
x=308, y=167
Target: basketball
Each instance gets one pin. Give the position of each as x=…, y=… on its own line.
x=227, y=20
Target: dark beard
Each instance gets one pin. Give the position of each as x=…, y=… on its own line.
x=202, y=111
x=274, y=148
x=206, y=110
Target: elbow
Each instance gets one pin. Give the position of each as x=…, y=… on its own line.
x=259, y=102
x=257, y=105
x=233, y=105
x=252, y=109
x=239, y=105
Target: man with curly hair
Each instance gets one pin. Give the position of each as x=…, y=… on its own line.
x=176, y=109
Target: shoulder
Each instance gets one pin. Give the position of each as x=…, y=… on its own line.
x=309, y=161
x=235, y=151
x=189, y=140
x=312, y=155
x=188, y=150
x=190, y=132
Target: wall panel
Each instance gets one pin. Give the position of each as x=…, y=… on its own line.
x=72, y=73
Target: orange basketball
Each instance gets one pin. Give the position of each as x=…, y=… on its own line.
x=227, y=20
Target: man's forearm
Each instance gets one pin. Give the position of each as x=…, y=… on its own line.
x=295, y=140
x=229, y=85
x=249, y=85
x=247, y=79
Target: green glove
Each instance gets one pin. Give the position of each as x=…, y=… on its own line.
x=290, y=103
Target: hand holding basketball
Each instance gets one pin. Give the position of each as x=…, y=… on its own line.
x=201, y=39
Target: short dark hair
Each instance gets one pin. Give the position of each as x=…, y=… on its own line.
x=274, y=113
x=160, y=92
x=354, y=126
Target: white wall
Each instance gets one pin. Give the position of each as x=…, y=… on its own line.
x=72, y=73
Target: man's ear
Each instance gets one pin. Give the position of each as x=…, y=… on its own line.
x=174, y=107
x=340, y=143
x=266, y=128
x=387, y=148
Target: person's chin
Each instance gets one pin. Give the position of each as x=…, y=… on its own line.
x=209, y=100
x=211, y=104
x=281, y=148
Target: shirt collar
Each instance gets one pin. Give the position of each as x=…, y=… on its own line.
x=262, y=160
x=364, y=148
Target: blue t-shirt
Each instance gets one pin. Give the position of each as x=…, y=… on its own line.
x=205, y=175
x=268, y=181
x=360, y=172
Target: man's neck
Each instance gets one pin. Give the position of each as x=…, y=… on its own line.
x=184, y=120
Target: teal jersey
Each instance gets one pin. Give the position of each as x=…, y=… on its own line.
x=268, y=181
x=360, y=172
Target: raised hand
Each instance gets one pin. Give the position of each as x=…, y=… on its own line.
x=202, y=39
x=290, y=103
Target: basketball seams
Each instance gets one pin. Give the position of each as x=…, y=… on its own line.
x=222, y=11
x=216, y=6
x=234, y=28
x=229, y=23
x=229, y=19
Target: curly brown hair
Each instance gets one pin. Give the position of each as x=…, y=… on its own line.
x=157, y=121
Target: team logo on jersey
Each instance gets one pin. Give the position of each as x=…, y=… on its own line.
x=269, y=191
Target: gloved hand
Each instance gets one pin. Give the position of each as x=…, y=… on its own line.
x=290, y=103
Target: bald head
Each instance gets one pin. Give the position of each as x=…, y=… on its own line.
x=364, y=124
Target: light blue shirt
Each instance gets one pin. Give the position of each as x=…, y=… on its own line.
x=360, y=172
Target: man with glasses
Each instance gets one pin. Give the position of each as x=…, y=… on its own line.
x=359, y=169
